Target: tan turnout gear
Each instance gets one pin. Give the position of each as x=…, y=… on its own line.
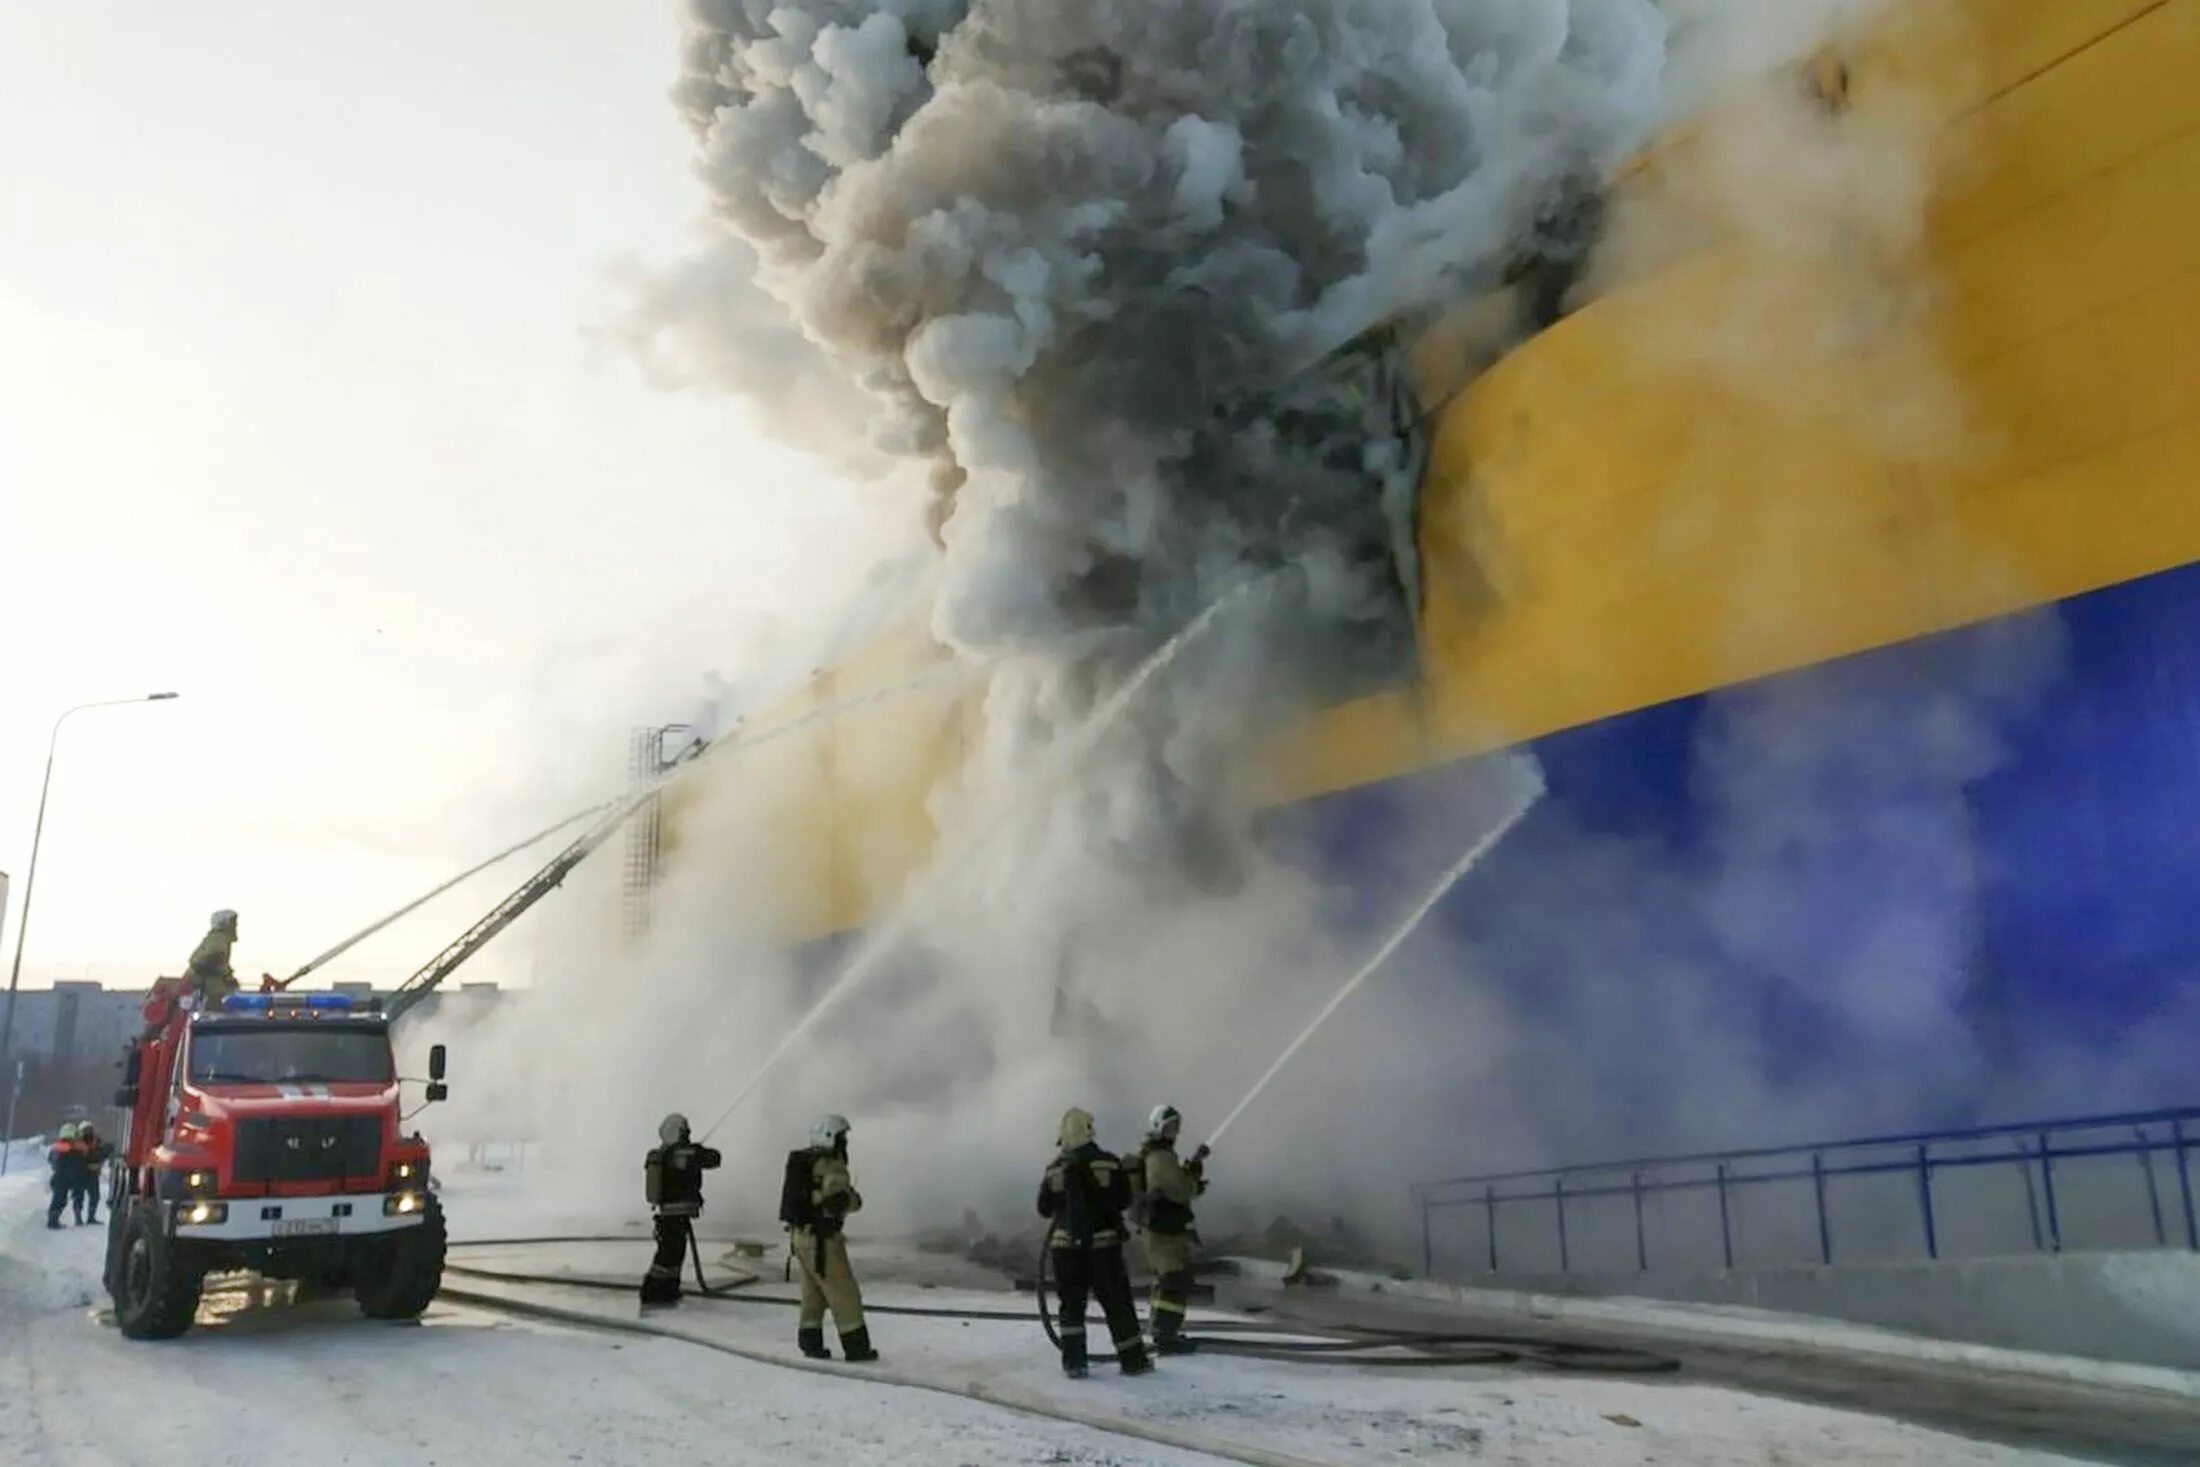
x=1166, y=1227
x=832, y=1286
x=821, y=1253
x=209, y=974
x=1168, y=1253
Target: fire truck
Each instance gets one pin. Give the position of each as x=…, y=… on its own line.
x=265, y=1134
x=265, y=1131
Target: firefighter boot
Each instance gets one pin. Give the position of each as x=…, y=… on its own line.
x=1134, y=1358
x=1073, y=1353
x=811, y=1339
x=1168, y=1324
x=855, y=1346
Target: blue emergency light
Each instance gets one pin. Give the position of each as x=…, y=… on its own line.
x=260, y=1003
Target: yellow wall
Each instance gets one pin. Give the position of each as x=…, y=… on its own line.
x=1799, y=433
x=1610, y=524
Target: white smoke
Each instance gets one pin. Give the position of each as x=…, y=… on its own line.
x=1056, y=241
x=1075, y=256
x=1081, y=257
x=704, y=324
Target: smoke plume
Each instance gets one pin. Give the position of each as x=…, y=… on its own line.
x=1078, y=253
x=1087, y=265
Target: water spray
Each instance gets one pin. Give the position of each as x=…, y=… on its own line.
x=418, y=902
x=1405, y=929
x=854, y=703
x=611, y=815
x=1065, y=756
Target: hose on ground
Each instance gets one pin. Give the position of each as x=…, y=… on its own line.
x=1357, y=1347
x=1349, y=1345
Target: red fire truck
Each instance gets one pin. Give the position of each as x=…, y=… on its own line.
x=265, y=1135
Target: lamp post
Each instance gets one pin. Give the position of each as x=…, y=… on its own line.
x=30, y=882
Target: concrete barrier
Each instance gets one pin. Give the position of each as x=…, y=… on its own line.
x=2140, y=1307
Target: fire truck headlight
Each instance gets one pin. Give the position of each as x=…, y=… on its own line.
x=198, y=1214
x=198, y=1181
x=401, y=1204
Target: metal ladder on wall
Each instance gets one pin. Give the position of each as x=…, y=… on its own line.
x=643, y=831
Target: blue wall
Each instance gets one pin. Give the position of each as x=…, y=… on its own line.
x=1925, y=871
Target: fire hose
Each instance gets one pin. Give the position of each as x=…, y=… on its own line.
x=1356, y=1343
x=1347, y=1345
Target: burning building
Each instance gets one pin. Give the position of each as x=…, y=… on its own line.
x=1803, y=476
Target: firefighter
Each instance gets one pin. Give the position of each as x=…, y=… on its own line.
x=209, y=974
x=673, y=1181
x=815, y=1199
x=1083, y=1196
x=94, y=1154
x=66, y=1159
x=1168, y=1186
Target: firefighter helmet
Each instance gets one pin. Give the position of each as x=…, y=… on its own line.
x=1076, y=1129
x=1163, y=1124
x=673, y=1129
x=830, y=1133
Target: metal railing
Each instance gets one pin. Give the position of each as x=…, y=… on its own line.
x=1539, y=1200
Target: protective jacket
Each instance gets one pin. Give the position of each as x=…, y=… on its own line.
x=673, y=1177
x=833, y=1193
x=821, y=1252
x=1084, y=1194
x=66, y=1157
x=1171, y=1185
x=209, y=974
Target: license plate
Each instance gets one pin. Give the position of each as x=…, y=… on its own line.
x=305, y=1227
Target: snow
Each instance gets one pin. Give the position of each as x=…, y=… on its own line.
x=464, y=1387
x=1730, y=1324
x=473, y=1386
x=1302, y=1412
x=25, y=1151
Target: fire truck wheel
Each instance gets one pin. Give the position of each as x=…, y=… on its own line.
x=159, y=1290
x=400, y=1279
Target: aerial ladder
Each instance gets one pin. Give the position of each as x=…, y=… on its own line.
x=533, y=890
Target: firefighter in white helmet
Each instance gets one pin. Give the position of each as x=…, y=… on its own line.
x=209, y=974
x=1083, y=1197
x=815, y=1198
x=1169, y=1184
x=672, y=1176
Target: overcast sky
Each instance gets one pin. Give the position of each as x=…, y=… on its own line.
x=299, y=417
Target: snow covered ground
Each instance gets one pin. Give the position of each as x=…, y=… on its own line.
x=473, y=1386
x=317, y=1384
x=29, y=1151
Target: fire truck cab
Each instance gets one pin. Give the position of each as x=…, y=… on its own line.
x=264, y=1135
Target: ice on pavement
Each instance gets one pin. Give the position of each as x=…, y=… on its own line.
x=474, y=1387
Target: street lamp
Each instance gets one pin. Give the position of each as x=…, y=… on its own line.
x=30, y=882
